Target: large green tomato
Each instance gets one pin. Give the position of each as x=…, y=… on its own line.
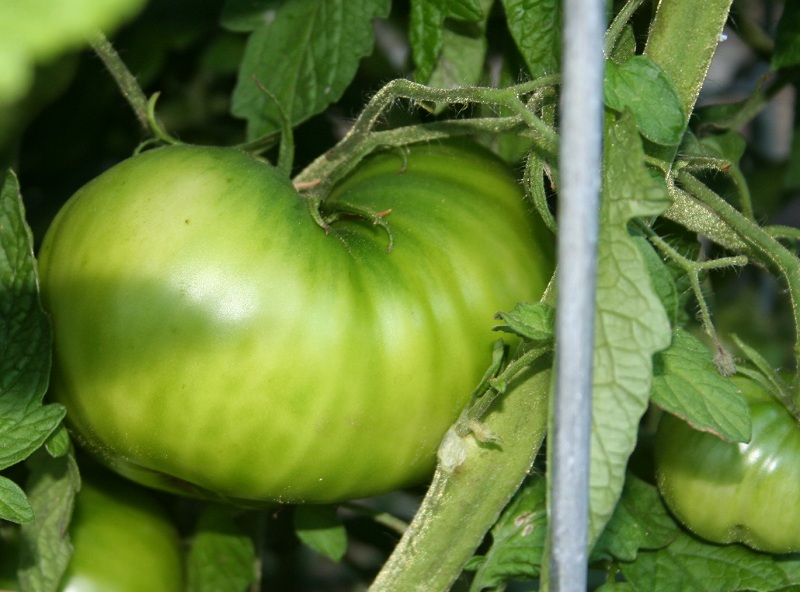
x=212, y=339
x=122, y=540
x=728, y=492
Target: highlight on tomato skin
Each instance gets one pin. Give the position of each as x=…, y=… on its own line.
x=212, y=340
x=728, y=492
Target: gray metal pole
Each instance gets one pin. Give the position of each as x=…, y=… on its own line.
x=579, y=195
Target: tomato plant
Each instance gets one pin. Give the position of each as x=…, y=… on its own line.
x=123, y=541
x=232, y=327
x=731, y=492
x=210, y=338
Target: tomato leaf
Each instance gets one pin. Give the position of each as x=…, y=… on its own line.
x=305, y=56
x=661, y=278
x=426, y=30
x=14, y=505
x=36, y=32
x=45, y=546
x=221, y=556
x=687, y=384
x=320, y=528
x=641, y=86
x=23, y=435
x=25, y=340
x=518, y=540
x=530, y=320
x=691, y=565
x=640, y=521
x=535, y=26
x=787, y=38
x=631, y=324
x=463, y=51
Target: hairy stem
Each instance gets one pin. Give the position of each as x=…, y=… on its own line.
x=760, y=247
x=126, y=81
x=462, y=505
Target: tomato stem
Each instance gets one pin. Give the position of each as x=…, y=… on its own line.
x=126, y=81
x=762, y=248
x=462, y=504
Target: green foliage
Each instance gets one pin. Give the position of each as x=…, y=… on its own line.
x=320, y=528
x=639, y=85
x=300, y=57
x=686, y=384
x=25, y=341
x=235, y=71
x=222, y=555
x=631, y=324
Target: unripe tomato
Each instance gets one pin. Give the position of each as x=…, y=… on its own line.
x=212, y=339
x=730, y=492
x=123, y=541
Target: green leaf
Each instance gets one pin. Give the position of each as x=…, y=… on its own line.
x=320, y=528
x=518, y=540
x=640, y=521
x=661, y=277
x=25, y=340
x=45, y=547
x=244, y=16
x=531, y=320
x=23, y=436
x=426, y=30
x=787, y=38
x=687, y=384
x=641, y=86
x=14, y=505
x=631, y=324
x=691, y=565
x=25, y=336
x=535, y=26
x=36, y=31
x=305, y=57
x=221, y=555
x=58, y=443
x=463, y=52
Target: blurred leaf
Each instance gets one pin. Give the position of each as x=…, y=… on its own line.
x=531, y=320
x=640, y=521
x=320, y=528
x=463, y=52
x=787, y=38
x=45, y=546
x=426, y=30
x=687, y=384
x=641, y=86
x=244, y=16
x=518, y=540
x=631, y=324
x=14, y=505
x=221, y=555
x=36, y=31
x=306, y=56
x=535, y=26
x=691, y=565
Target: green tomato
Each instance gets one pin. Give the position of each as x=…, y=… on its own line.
x=122, y=540
x=211, y=339
x=728, y=492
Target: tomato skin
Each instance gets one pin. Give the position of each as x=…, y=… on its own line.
x=728, y=492
x=211, y=339
x=123, y=541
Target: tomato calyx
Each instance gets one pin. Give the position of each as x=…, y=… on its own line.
x=325, y=215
